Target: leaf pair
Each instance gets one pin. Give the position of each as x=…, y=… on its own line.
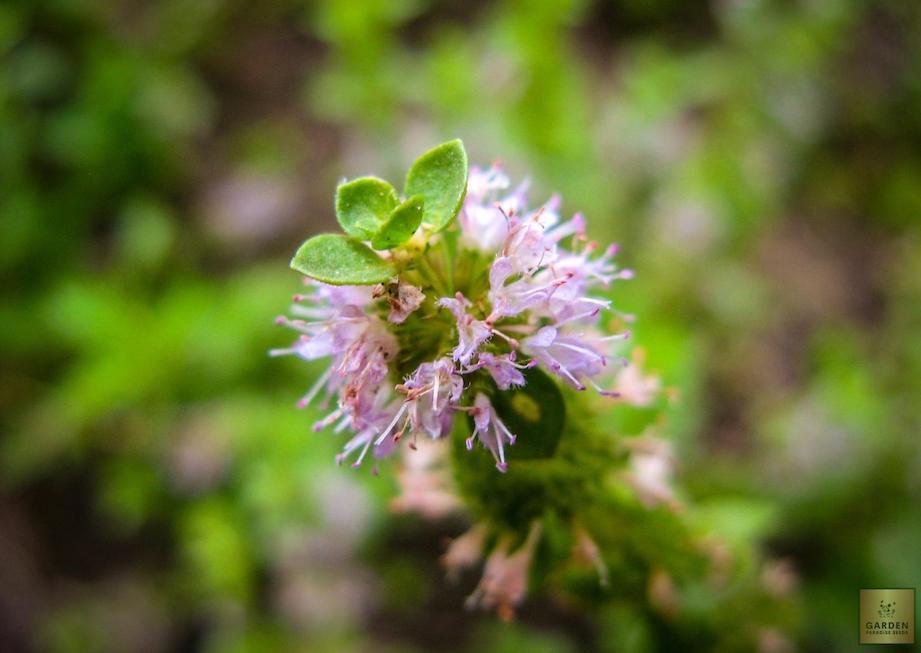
x=369, y=209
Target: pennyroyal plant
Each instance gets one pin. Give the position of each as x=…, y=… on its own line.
x=454, y=311
x=443, y=320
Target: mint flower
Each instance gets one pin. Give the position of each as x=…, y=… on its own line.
x=473, y=325
x=489, y=429
x=505, y=577
x=427, y=320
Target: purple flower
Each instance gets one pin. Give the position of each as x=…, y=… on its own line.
x=432, y=394
x=570, y=358
x=531, y=274
x=503, y=369
x=471, y=333
x=509, y=299
x=490, y=430
x=360, y=345
x=505, y=575
x=484, y=218
x=526, y=245
x=371, y=423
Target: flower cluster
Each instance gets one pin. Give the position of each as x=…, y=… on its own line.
x=518, y=293
x=454, y=312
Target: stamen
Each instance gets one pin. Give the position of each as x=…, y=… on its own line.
x=630, y=318
x=501, y=465
x=361, y=456
x=602, y=391
x=390, y=426
x=604, y=303
x=304, y=401
x=344, y=423
x=511, y=341
x=579, y=316
x=562, y=368
x=501, y=425
x=329, y=419
x=581, y=350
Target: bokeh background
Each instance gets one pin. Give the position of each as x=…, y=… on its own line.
x=758, y=161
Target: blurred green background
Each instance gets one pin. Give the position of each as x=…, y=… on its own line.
x=759, y=162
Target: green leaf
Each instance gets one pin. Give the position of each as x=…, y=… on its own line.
x=341, y=261
x=363, y=204
x=440, y=176
x=536, y=413
x=401, y=224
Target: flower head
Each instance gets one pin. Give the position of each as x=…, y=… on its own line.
x=460, y=320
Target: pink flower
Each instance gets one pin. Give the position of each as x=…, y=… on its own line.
x=483, y=186
x=570, y=358
x=532, y=240
x=571, y=301
x=651, y=470
x=432, y=395
x=471, y=333
x=490, y=430
x=425, y=483
x=526, y=246
x=505, y=577
x=525, y=288
x=484, y=218
x=636, y=388
x=465, y=551
x=367, y=428
x=482, y=221
x=503, y=369
x=535, y=287
x=587, y=548
x=510, y=298
x=360, y=345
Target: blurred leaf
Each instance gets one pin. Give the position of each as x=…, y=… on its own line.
x=535, y=413
x=736, y=519
x=514, y=638
x=217, y=550
x=129, y=492
x=146, y=233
